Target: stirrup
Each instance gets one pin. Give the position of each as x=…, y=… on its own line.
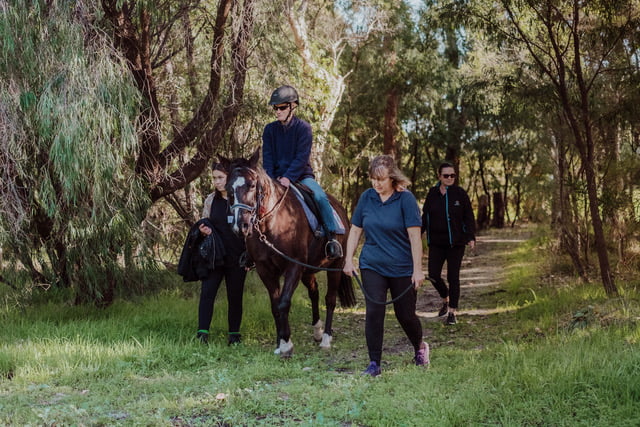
x=333, y=249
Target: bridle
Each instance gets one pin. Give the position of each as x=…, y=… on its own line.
x=256, y=219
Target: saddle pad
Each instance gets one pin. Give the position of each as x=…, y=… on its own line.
x=311, y=217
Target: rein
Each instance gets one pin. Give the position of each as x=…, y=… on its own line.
x=264, y=240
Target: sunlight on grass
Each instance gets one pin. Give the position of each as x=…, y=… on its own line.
x=545, y=350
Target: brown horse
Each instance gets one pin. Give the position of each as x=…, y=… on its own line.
x=281, y=243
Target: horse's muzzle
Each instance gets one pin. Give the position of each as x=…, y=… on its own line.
x=245, y=228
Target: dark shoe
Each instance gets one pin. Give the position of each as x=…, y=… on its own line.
x=422, y=355
x=234, y=338
x=333, y=249
x=451, y=319
x=372, y=370
x=203, y=336
x=444, y=310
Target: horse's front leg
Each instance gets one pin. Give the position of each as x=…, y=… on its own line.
x=309, y=280
x=291, y=279
x=273, y=288
x=333, y=281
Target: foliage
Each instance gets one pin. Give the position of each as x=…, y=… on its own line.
x=69, y=203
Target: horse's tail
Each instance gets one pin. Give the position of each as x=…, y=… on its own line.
x=345, y=291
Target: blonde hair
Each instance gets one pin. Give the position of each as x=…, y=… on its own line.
x=384, y=165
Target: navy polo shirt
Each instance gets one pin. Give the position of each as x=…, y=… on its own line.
x=387, y=249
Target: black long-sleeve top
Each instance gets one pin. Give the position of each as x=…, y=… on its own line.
x=448, y=218
x=217, y=209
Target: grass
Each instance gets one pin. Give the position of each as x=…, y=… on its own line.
x=554, y=352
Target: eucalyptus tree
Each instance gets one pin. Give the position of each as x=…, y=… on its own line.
x=392, y=77
x=150, y=35
x=70, y=202
x=572, y=43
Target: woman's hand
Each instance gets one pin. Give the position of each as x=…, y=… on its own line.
x=352, y=241
x=204, y=229
x=417, y=279
x=349, y=268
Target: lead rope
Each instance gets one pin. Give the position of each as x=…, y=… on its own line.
x=264, y=240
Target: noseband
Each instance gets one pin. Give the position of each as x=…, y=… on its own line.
x=251, y=209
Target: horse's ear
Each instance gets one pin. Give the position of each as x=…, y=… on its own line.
x=255, y=158
x=226, y=163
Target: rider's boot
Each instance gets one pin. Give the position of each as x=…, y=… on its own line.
x=333, y=248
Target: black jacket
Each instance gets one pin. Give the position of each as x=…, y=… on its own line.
x=448, y=219
x=200, y=254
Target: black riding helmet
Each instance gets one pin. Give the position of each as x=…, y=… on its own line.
x=284, y=95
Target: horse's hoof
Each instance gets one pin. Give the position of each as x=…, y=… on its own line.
x=326, y=341
x=285, y=349
x=318, y=330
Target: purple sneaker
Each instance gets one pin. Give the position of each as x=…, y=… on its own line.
x=372, y=370
x=422, y=355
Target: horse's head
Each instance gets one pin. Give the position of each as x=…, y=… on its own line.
x=243, y=192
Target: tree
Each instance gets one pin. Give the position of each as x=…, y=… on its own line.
x=148, y=35
x=69, y=201
x=571, y=44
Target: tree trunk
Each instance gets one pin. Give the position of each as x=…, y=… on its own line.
x=562, y=216
x=207, y=127
x=483, y=212
x=325, y=69
x=498, y=210
x=390, y=131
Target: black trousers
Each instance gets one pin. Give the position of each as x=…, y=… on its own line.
x=233, y=276
x=453, y=256
x=376, y=286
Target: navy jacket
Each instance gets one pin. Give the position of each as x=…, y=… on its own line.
x=286, y=150
x=448, y=219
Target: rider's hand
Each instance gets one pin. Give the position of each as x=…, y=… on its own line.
x=284, y=181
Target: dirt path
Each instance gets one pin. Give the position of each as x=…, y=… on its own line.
x=481, y=276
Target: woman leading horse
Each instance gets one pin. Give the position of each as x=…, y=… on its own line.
x=281, y=243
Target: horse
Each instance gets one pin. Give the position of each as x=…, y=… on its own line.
x=281, y=243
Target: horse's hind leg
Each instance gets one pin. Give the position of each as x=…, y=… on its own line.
x=311, y=284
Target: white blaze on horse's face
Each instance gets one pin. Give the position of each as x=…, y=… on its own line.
x=239, y=182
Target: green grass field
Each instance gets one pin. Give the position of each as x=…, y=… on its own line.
x=553, y=352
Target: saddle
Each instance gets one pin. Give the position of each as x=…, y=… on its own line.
x=312, y=210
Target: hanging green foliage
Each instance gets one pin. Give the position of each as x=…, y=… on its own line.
x=70, y=204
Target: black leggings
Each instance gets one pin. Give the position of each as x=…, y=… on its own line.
x=453, y=256
x=376, y=286
x=234, y=277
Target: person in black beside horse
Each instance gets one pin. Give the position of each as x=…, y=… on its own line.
x=447, y=218
x=228, y=250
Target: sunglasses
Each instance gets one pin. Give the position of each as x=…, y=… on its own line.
x=448, y=175
x=280, y=107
